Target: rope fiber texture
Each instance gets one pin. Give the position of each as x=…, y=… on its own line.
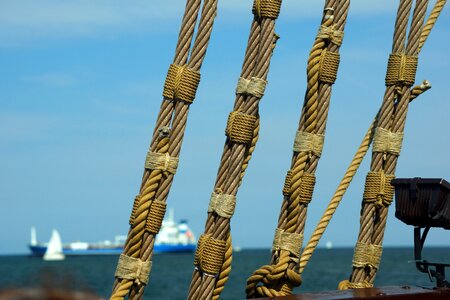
x=179, y=92
x=282, y=274
x=309, y=249
x=389, y=127
x=242, y=135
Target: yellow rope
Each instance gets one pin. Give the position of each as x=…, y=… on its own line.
x=222, y=204
x=133, y=269
x=309, y=143
x=378, y=189
x=291, y=242
x=386, y=141
x=155, y=216
x=401, y=69
x=253, y=87
x=431, y=21
x=267, y=8
x=240, y=127
x=345, y=183
x=181, y=83
x=367, y=255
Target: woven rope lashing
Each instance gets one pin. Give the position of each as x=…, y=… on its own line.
x=209, y=254
x=367, y=255
x=331, y=34
x=133, y=269
x=267, y=8
x=305, y=189
x=287, y=184
x=329, y=66
x=161, y=161
x=291, y=242
x=240, y=127
x=401, y=69
x=253, y=87
x=155, y=216
x=309, y=142
x=199, y=250
x=378, y=189
x=134, y=209
x=222, y=204
x=181, y=83
x=386, y=141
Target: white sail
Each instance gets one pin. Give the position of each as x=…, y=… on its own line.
x=54, y=248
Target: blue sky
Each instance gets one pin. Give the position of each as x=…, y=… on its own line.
x=80, y=89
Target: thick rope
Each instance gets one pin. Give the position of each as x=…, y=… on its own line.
x=238, y=151
x=179, y=92
x=133, y=269
x=392, y=118
x=345, y=183
x=282, y=275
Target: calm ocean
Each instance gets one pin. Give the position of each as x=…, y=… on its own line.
x=171, y=273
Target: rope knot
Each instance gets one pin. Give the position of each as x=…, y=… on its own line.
x=276, y=280
x=330, y=34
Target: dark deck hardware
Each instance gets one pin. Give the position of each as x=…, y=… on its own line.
x=424, y=203
x=388, y=293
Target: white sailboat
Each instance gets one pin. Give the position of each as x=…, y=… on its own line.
x=54, y=249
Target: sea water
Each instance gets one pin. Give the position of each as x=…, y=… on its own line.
x=171, y=273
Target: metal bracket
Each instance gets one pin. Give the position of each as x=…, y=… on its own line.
x=423, y=265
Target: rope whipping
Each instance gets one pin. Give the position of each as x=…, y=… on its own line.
x=162, y=160
x=345, y=183
x=281, y=276
x=242, y=135
x=388, y=138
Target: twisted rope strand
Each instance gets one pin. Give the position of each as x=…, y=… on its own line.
x=282, y=275
x=372, y=229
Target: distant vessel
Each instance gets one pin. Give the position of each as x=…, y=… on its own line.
x=173, y=238
x=54, y=249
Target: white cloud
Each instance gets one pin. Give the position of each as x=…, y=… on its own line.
x=25, y=21
x=23, y=127
x=51, y=79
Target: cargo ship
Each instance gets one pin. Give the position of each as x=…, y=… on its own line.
x=173, y=238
